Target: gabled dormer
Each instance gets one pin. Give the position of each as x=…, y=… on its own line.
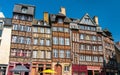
x=87, y=20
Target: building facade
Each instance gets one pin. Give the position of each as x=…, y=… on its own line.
x=87, y=46
x=42, y=47
x=21, y=37
x=66, y=45
x=5, y=39
x=61, y=45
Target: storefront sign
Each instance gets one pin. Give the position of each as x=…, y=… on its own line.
x=93, y=67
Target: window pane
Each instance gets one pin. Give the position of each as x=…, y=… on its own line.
x=61, y=41
x=34, y=54
x=61, y=54
x=67, y=41
x=48, y=42
x=60, y=29
x=35, y=29
x=82, y=47
x=14, y=39
x=67, y=54
x=41, y=30
x=42, y=54
x=66, y=30
x=60, y=20
x=48, y=55
x=55, y=53
x=54, y=28
x=55, y=40
x=35, y=41
x=28, y=41
x=48, y=30
x=41, y=41
x=81, y=36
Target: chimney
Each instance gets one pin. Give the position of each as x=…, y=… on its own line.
x=63, y=11
x=46, y=17
x=96, y=20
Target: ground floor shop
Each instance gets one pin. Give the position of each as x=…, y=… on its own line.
x=85, y=70
x=3, y=69
x=16, y=68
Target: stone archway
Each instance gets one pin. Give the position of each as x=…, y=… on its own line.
x=58, y=69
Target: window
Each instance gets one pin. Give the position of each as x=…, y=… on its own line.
x=82, y=27
x=55, y=40
x=28, y=54
x=94, y=48
x=88, y=47
x=34, y=54
x=88, y=58
x=14, y=39
x=15, y=27
x=35, y=29
x=29, y=18
x=100, y=48
x=55, y=53
x=48, y=30
x=95, y=58
x=22, y=28
x=82, y=47
x=48, y=55
x=61, y=41
x=61, y=54
x=67, y=41
x=35, y=41
x=21, y=39
x=41, y=30
x=0, y=33
x=24, y=9
x=41, y=41
x=28, y=29
x=16, y=16
x=87, y=37
x=81, y=36
x=82, y=58
x=94, y=38
x=23, y=17
x=66, y=29
x=93, y=29
x=54, y=28
x=18, y=52
x=100, y=59
x=66, y=68
x=42, y=54
x=28, y=41
x=67, y=54
x=48, y=42
x=13, y=52
x=25, y=53
x=60, y=20
x=60, y=29
x=99, y=38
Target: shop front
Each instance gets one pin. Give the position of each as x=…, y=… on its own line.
x=79, y=69
x=93, y=70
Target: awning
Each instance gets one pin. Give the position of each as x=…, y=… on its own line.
x=20, y=68
x=48, y=71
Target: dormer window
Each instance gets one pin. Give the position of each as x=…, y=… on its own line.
x=24, y=9
x=38, y=22
x=60, y=20
x=45, y=23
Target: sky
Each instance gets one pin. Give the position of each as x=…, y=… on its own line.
x=108, y=11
